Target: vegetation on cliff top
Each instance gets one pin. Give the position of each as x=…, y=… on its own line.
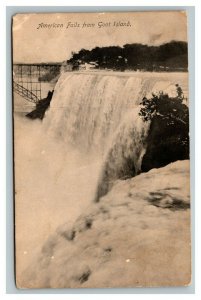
x=172, y=56
x=168, y=138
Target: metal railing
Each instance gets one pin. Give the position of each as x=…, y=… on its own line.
x=25, y=93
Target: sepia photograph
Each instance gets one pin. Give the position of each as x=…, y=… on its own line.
x=101, y=149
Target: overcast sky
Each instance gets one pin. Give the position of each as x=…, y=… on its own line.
x=56, y=44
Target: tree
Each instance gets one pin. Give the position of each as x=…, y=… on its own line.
x=170, y=56
x=168, y=138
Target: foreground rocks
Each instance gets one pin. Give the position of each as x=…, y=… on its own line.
x=136, y=235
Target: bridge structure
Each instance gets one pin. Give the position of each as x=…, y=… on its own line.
x=28, y=79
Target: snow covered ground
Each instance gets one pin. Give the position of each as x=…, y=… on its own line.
x=137, y=235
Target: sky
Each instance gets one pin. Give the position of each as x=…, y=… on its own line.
x=53, y=37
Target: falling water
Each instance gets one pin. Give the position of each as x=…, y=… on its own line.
x=87, y=108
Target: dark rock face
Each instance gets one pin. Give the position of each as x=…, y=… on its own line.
x=112, y=172
x=166, y=143
x=41, y=107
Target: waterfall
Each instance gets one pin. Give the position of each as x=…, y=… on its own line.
x=87, y=109
x=97, y=113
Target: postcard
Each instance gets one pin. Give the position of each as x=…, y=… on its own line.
x=101, y=149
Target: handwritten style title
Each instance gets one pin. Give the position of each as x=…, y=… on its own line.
x=70, y=25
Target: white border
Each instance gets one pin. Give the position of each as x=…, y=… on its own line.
x=3, y=5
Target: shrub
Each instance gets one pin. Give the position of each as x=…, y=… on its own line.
x=168, y=138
